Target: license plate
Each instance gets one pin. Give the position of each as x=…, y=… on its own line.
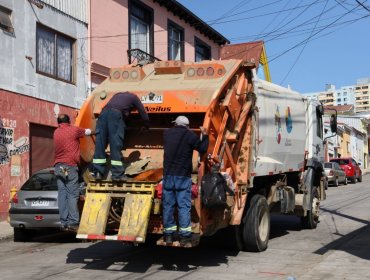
x=40, y=203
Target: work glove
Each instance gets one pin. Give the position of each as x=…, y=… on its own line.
x=145, y=127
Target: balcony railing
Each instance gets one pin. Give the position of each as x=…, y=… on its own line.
x=140, y=57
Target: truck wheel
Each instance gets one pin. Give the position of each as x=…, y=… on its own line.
x=22, y=235
x=311, y=220
x=256, y=229
x=345, y=180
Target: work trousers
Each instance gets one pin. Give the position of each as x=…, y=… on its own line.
x=110, y=129
x=177, y=190
x=68, y=194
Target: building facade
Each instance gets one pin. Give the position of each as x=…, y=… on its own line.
x=44, y=72
x=362, y=94
x=345, y=96
x=140, y=31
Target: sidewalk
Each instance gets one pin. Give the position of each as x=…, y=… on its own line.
x=6, y=231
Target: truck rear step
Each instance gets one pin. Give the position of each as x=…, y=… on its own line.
x=135, y=200
x=176, y=243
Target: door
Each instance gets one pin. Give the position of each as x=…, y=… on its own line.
x=41, y=147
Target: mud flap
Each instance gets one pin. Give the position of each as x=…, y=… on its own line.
x=133, y=222
x=95, y=214
x=135, y=218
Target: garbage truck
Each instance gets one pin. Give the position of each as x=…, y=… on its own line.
x=265, y=140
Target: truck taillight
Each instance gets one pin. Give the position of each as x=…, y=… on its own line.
x=15, y=198
x=158, y=191
x=331, y=173
x=210, y=71
x=127, y=74
x=349, y=167
x=205, y=71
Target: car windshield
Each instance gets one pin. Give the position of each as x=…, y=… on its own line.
x=340, y=161
x=328, y=165
x=41, y=182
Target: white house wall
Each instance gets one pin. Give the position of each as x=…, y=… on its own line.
x=75, y=8
x=18, y=74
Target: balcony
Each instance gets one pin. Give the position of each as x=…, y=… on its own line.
x=140, y=57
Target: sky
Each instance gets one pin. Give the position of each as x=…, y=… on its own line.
x=309, y=43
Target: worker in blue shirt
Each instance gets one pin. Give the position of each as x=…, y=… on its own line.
x=179, y=142
x=110, y=128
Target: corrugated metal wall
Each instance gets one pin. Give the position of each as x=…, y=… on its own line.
x=73, y=8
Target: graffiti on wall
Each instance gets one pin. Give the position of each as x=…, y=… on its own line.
x=9, y=146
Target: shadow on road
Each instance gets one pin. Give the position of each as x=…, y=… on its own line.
x=356, y=243
x=51, y=236
x=212, y=251
x=115, y=256
x=281, y=225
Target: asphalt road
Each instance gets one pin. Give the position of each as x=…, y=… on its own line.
x=338, y=249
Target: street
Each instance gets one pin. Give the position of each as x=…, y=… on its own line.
x=338, y=249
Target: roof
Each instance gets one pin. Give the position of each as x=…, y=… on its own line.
x=341, y=108
x=250, y=51
x=183, y=13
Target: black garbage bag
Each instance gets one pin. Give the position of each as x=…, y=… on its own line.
x=213, y=190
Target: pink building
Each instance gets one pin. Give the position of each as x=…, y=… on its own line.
x=161, y=29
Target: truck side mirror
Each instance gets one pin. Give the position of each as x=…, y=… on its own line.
x=333, y=123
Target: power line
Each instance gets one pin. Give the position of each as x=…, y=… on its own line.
x=362, y=5
x=305, y=44
x=324, y=28
x=303, y=31
x=236, y=7
x=268, y=14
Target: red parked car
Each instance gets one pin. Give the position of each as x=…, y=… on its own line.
x=351, y=167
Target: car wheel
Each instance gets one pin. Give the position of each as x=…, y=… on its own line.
x=336, y=182
x=22, y=235
x=359, y=178
x=345, y=180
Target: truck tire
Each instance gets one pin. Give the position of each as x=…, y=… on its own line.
x=256, y=229
x=345, y=180
x=311, y=220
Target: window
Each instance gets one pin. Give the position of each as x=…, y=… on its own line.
x=345, y=93
x=202, y=50
x=141, y=27
x=319, y=124
x=175, y=42
x=41, y=181
x=5, y=19
x=339, y=99
x=338, y=93
x=345, y=99
x=54, y=54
